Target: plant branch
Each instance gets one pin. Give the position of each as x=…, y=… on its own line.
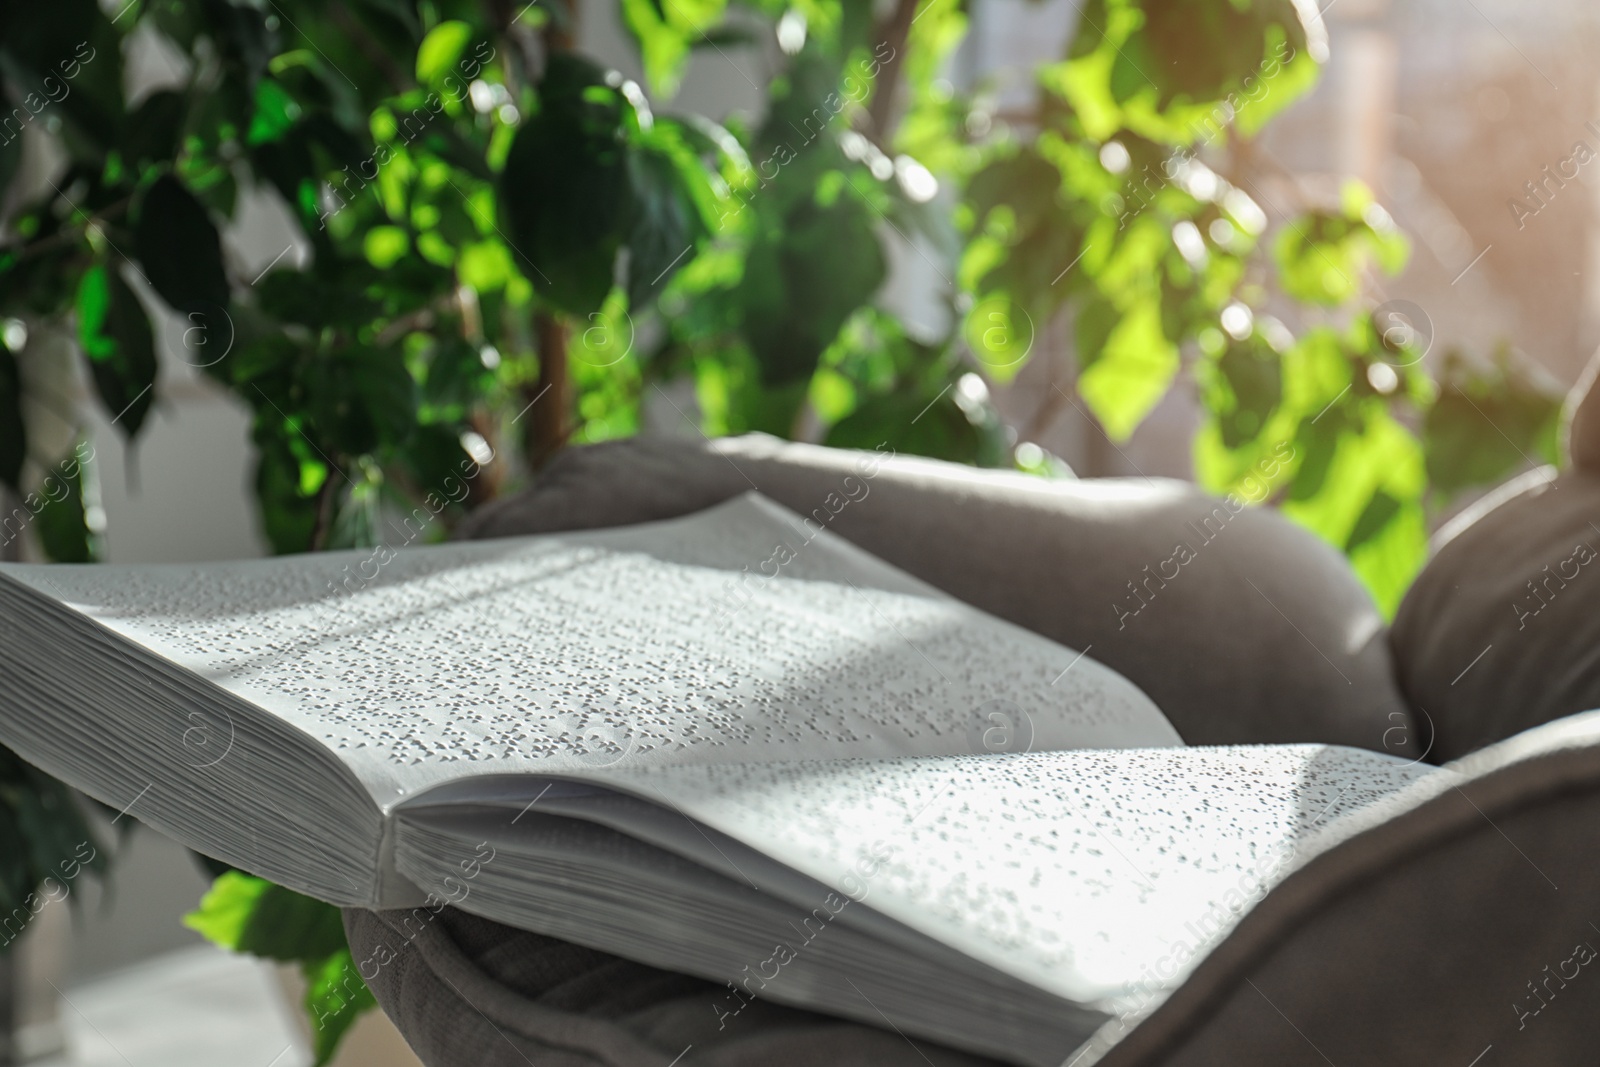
x=375, y=53
x=561, y=32
x=894, y=31
x=420, y=319
x=323, y=525
x=550, y=396
x=70, y=233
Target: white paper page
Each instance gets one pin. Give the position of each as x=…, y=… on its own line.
x=1101, y=876
x=737, y=634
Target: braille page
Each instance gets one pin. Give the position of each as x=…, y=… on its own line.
x=738, y=634
x=1100, y=876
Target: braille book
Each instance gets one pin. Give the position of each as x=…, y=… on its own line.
x=730, y=744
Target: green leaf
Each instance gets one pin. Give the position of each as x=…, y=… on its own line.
x=1288, y=72
x=803, y=279
x=1318, y=446
x=1181, y=72
x=178, y=248
x=456, y=377
x=437, y=54
x=115, y=335
x=1387, y=538
x=288, y=165
x=1131, y=373
x=335, y=998
x=244, y=39
x=1487, y=424
x=666, y=225
x=666, y=32
x=1381, y=510
x=403, y=12
x=286, y=487
x=564, y=188
x=1322, y=255
x=438, y=464
x=1246, y=389
x=67, y=56
x=356, y=519
x=1096, y=320
x=247, y=914
x=13, y=434
x=362, y=399
x=1314, y=261
x=1204, y=51
x=384, y=246
x=1084, y=80
x=1025, y=184
x=275, y=113
x=155, y=127
x=318, y=300
x=251, y=915
x=46, y=844
x=485, y=266
x=955, y=422
x=1000, y=334
x=1295, y=446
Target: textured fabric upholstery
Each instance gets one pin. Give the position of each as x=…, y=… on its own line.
x=1423, y=941
x=1501, y=630
x=466, y=992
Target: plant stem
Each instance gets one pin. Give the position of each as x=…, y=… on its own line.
x=893, y=31
x=68, y=234
x=324, y=522
x=551, y=394
x=397, y=77
x=561, y=32
x=491, y=476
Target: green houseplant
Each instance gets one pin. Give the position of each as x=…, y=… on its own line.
x=513, y=248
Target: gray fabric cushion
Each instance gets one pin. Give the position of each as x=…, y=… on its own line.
x=1501, y=630
x=1240, y=626
x=1419, y=942
x=466, y=992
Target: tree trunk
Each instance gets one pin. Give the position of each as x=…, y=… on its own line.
x=549, y=398
x=894, y=32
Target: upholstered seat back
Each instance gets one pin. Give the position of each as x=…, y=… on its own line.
x=1467, y=921
x=1501, y=630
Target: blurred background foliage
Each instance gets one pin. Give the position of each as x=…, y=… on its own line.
x=514, y=249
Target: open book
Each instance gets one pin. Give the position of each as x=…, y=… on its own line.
x=731, y=744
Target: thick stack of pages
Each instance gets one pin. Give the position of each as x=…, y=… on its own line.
x=730, y=744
